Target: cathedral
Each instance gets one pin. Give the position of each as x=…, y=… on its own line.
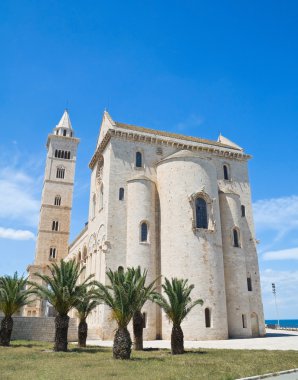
x=176, y=205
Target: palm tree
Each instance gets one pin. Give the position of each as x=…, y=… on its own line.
x=146, y=293
x=176, y=306
x=60, y=289
x=13, y=296
x=84, y=307
x=122, y=298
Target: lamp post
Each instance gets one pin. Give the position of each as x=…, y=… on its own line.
x=274, y=293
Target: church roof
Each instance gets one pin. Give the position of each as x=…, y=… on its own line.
x=227, y=143
x=64, y=121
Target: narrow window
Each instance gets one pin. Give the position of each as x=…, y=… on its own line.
x=55, y=225
x=68, y=155
x=59, y=153
x=52, y=253
x=235, y=238
x=144, y=315
x=70, y=134
x=57, y=200
x=207, y=317
x=244, y=322
x=201, y=213
x=64, y=132
x=121, y=194
x=138, y=159
x=249, y=284
x=56, y=153
x=144, y=232
x=242, y=211
x=60, y=173
x=226, y=172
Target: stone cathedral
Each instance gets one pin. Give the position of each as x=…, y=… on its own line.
x=176, y=205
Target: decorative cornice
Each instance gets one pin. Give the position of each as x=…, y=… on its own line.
x=169, y=140
x=101, y=147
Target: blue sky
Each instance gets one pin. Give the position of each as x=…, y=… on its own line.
x=191, y=67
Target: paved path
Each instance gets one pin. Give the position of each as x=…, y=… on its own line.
x=274, y=340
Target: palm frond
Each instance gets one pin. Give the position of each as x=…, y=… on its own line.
x=14, y=293
x=177, y=303
x=61, y=288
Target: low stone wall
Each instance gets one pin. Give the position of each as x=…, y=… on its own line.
x=40, y=328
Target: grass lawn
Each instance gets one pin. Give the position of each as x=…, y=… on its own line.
x=34, y=360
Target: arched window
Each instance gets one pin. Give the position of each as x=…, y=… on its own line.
x=226, y=172
x=56, y=153
x=236, y=237
x=144, y=232
x=120, y=269
x=57, y=201
x=201, y=213
x=207, y=317
x=68, y=155
x=52, y=253
x=60, y=173
x=249, y=284
x=121, y=194
x=242, y=211
x=139, y=163
x=64, y=132
x=55, y=225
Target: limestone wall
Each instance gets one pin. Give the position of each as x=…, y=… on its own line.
x=40, y=328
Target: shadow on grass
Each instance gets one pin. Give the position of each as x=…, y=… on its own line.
x=26, y=345
x=151, y=359
x=197, y=352
x=93, y=350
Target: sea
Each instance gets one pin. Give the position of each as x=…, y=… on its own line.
x=283, y=322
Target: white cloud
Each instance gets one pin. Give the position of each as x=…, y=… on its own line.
x=17, y=195
x=9, y=233
x=284, y=254
x=277, y=214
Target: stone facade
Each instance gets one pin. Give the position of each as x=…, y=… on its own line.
x=145, y=192
x=56, y=203
x=41, y=329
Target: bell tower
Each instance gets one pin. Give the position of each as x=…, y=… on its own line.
x=56, y=203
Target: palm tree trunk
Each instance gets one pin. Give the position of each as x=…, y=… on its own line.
x=122, y=344
x=6, y=330
x=61, y=325
x=138, y=325
x=177, y=340
x=82, y=333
